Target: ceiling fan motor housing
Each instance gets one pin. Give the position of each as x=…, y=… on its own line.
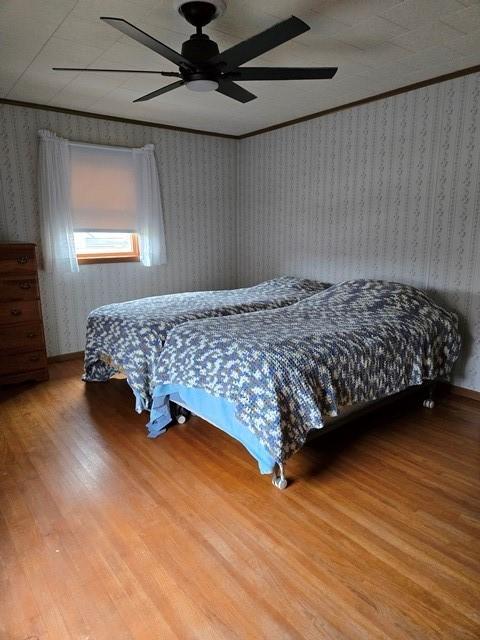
x=200, y=13
x=199, y=48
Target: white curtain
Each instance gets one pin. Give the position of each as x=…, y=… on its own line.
x=59, y=220
x=56, y=223
x=149, y=207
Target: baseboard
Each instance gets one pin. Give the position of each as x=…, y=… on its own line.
x=63, y=357
x=462, y=391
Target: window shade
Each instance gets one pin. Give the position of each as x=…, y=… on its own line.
x=103, y=188
x=88, y=187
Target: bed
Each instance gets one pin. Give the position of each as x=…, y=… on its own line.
x=271, y=378
x=128, y=337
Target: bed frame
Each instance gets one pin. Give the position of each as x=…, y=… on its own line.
x=181, y=414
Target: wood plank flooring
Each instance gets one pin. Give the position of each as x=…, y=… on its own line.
x=107, y=535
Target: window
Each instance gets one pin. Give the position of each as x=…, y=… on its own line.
x=100, y=246
x=104, y=204
x=98, y=204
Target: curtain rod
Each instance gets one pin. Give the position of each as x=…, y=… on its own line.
x=102, y=146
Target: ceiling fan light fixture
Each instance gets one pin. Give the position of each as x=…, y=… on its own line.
x=202, y=85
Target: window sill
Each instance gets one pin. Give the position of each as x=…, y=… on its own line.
x=106, y=259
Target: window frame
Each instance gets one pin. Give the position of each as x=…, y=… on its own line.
x=97, y=257
x=101, y=258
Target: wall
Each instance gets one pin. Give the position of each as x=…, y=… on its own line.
x=198, y=179
x=390, y=189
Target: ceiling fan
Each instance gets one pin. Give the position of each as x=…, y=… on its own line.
x=203, y=68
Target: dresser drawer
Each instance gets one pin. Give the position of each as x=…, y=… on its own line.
x=21, y=362
x=21, y=311
x=18, y=261
x=22, y=344
x=21, y=337
x=18, y=288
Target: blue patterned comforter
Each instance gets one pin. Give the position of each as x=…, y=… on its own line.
x=129, y=336
x=285, y=369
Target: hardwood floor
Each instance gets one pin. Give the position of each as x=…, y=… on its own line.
x=107, y=535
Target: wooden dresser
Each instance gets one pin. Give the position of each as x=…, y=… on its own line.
x=22, y=341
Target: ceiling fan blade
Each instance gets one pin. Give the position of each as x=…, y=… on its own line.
x=261, y=43
x=235, y=91
x=162, y=73
x=148, y=41
x=159, y=92
x=282, y=73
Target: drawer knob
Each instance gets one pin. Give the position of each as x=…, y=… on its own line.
x=31, y=334
x=22, y=259
x=25, y=285
x=34, y=358
x=16, y=312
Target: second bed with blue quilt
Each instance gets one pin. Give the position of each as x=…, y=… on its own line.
x=269, y=377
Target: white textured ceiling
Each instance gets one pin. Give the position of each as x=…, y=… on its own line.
x=378, y=45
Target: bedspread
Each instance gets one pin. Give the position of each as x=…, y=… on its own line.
x=286, y=369
x=129, y=336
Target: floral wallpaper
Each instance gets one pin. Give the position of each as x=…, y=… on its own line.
x=198, y=181
x=389, y=189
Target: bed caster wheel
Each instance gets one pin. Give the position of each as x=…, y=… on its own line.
x=428, y=404
x=179, y=414
x=280, y=483
x=278, y=479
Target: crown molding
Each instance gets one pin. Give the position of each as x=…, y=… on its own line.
x=257, y=132
x=357, y=103
x=103, y=116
